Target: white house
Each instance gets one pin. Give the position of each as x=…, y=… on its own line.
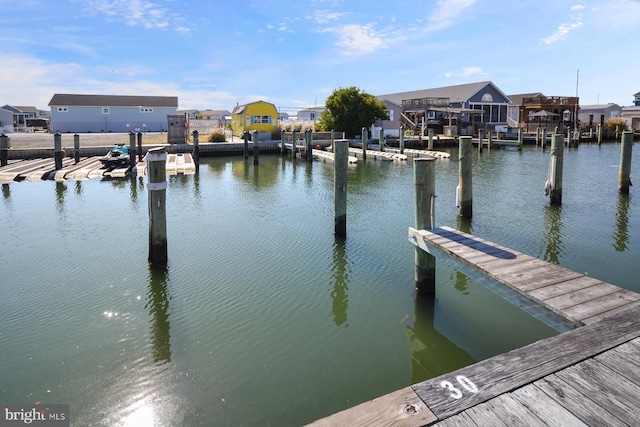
x=110, y=113
x=594, y=115
x=632, y=114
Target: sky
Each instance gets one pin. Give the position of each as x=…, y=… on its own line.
x=216, y=54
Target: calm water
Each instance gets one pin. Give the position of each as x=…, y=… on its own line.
x=262, y=318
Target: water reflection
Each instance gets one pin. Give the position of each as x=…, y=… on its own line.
x=553, y=234
x=137, y=183
x=461, y=281
x=6, y=191
x=61, y=189
x=158, y=305
x=340, y=272
x=262, y=175
x=621, y=232
x=428, y=345
x=78, y=187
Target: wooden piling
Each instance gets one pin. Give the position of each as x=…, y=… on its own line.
x=340, y=167
x=245, y=134
x=430, y=136
x=625, y=162
x=465, y=186
x=364, y=143
x=308, y=137
x=294, y=136
x=333, y=141
x=599, y=133
x=256, y=147
x=480, y=139
x=139, y=146
x=283, y=136
x=489, y=140
x=76, y=148
x=157, y=187
x=402, y=139
x=554, y=184
x=132, y=150
x=381, y=139
x=520, y=138
x=57, y=150
x=537, y=136
x=544, y=137
x=424, y=187
x=4, y=150
x=196, y=149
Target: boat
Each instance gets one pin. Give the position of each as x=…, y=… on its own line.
x=117, y=156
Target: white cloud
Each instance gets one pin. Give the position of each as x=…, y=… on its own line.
x=577, y=7
x=562, y=32
x=144, y=13
x=447, y=12
x=466, y=72
x=326, y=16
x=357, y=39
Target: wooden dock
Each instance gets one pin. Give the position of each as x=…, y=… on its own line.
x=586, y=376
x=87, y=168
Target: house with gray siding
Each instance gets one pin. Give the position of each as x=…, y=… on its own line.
x=461, y=108
x=111, y=113
x=593, y=115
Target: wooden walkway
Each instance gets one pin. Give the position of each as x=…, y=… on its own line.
x=88, y=168
x=587, y=376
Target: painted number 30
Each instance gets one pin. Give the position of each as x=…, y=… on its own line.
x=456, y=393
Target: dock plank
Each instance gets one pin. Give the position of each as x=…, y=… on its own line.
x=483, y=416
x=576, y=401
x=512, y=413
x=563, y=288
x=582, y=295
x=550, y=411
x=514, y=369
x=401, y=408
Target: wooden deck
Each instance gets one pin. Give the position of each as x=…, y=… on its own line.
x=87, y=168
x=586, y=376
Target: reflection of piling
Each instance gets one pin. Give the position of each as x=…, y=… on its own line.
x=340, y=166
x=156, y=163
x=256, y=147
x=158, y=306
x=465, y=180
x=424, y=183
x=245, y=134
x=364, y=143
x=553, y=187
x=625, y=162
x=196, y=148
x=57, y=151
x=4, y=150
x=76, y=148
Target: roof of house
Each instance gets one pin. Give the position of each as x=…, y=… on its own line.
x=517, y=99
x=462, y=92
x=214, y=112
x=238, y=109
x=113, y=100
x=27, y=109
x=599, y=106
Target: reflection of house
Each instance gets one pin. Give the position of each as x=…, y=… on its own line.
x=591, y=116
x=461, y=107
x=258, y=116
x=533, y=110
x=110, y=113
x=632, y=114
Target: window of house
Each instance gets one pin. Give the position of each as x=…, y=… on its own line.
x=146, y=110
x=261, y=119
x=431, y=115
x=487, y=97
x=105, y=110
x=63, y=109
x=390, y=114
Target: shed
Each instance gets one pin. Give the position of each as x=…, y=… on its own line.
x=258, y=116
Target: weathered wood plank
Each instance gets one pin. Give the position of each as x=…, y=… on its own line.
x=582, y=295
x=562, y=288
x=512, y=413
x=600, y=305
x=544, y=407
x=401, y=408
x=514, y=369
x=621, y=360
x=578, y=403
x=544, y=276
x=630, y=351
x=619, y=309
x=483, y=416
x=605, y=387
x=460, y=420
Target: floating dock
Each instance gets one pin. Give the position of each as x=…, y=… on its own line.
x=587, y=376
x=87, y=168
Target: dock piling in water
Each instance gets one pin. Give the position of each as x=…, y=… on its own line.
x=364, y=143
x=625, y=162
x=76, y=148
x=4, y=149
x=283, y=137
x=132, y=150
x=308, y=137
x=553, y=186
x=256, y=147
x=139, y=146
x=246, y=144
x=157, y=187
x=196, y=148
x=430, y=136
x=424, y=183
x=57, y=151
x=340, y=166
x=465, y=180
x=401, y=139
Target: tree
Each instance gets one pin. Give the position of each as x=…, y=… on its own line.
x=349, y=110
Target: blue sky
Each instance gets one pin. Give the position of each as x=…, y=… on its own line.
x=213, y=54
